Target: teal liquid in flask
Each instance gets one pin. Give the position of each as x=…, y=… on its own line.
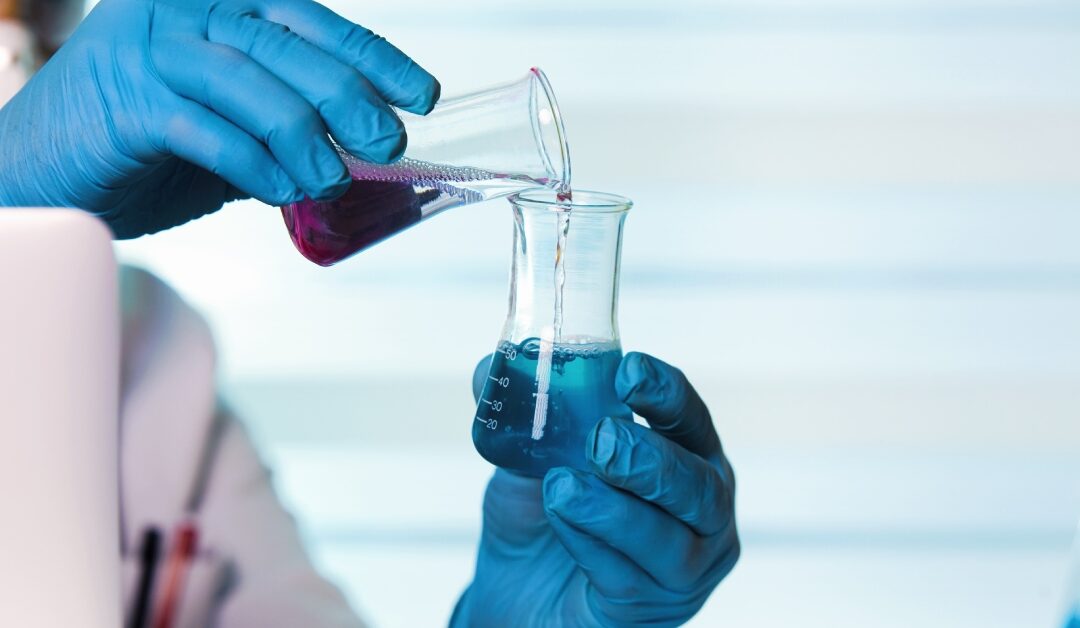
x=552, y=377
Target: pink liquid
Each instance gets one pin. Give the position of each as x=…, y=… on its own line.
x=369, y=212
x=386, y=199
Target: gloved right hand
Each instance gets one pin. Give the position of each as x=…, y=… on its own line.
x=640, y=538
x=160, y=111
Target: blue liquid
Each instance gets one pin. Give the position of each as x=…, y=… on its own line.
x=507, y=430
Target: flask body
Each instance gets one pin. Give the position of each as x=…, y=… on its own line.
x=552, y=376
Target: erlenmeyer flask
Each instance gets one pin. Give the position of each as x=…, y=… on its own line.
x=468, y=149
x=552, y=376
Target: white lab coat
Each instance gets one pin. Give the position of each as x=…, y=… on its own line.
x=252, y=570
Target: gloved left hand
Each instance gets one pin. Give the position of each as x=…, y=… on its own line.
x=640, y=539
x=156, y=112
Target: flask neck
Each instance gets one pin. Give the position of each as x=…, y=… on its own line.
x=564, y=289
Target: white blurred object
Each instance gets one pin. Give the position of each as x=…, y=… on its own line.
x=59, y=371
x=66, y=374
x=183, y=457
x=60, y=375
x=16, y=58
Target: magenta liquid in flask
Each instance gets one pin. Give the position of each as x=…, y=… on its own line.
x=472, y=148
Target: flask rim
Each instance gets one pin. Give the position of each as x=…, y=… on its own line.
x=546, y=151
x=583, y=201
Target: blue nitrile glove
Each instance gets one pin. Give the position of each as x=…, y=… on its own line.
x=159, y=111
x=641, y=539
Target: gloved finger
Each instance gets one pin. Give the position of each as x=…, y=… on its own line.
x=643, y=462
x=513, y=511
x=200, y=136
x=246, y=94
x=661, y=394
x=479, y=376
x=356, y=115
x=632, y=526
x=614, y=575
x=397, y=77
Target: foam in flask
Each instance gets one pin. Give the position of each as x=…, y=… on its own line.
x=552, y=377
x=472, y=148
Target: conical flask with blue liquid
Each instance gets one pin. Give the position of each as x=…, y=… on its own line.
x=552, y=377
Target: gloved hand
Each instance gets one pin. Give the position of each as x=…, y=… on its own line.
x=156, y=112
x=642, y=538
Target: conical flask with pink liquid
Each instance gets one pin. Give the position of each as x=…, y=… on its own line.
x=471, y=148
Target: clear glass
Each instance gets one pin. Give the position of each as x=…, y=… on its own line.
x=552, y=376
x=471, y=148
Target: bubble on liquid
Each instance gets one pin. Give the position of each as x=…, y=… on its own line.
x=414, y=171
x=421, y=174
x=584, y=348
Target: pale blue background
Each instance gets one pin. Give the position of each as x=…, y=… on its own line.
x=857, y=231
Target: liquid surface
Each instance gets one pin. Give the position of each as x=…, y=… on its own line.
x=580, y=391
x=387, y=199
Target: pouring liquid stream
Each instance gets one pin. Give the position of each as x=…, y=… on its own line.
x=547, y=345
x=565, y=195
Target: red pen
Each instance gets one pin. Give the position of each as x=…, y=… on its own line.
x=185, y=545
